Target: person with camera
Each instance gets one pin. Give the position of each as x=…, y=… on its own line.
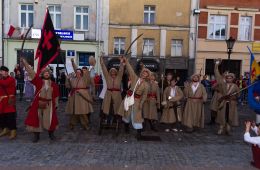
x=255, y=141
x=42, y=112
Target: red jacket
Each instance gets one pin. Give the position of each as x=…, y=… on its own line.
x=32, y=117
x=7, y=90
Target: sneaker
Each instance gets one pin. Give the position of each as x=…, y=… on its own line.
x=167, y=130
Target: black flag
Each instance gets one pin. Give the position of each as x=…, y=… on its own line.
x=49, y=46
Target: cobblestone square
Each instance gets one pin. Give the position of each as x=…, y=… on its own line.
x=79, y=149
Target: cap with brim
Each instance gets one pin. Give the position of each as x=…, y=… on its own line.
x=146, y=70
x=112, y=69
x=194, y=75
x=230, y=75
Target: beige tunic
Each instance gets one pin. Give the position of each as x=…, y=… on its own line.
x=153, y=99
x=193, y=115
x=141, y=90
x=214, y=105
x=168, y=115
x=113, y=93
x=79, y=100
x=226, y=90
x=44, y=115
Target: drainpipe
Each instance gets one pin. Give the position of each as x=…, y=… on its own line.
x=2, y=19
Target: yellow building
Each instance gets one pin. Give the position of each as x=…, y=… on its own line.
x=165, y=26
x=219, y=20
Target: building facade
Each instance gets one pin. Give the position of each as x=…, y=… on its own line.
x=164, y=26
x=219, y=20
x=74, y=21
x=1, y=31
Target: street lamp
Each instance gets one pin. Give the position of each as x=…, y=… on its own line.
x=230, y=44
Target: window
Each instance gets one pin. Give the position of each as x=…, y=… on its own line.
x=176, y=48
x=26, y=15
x=148, y=47
x=245, y=26
x=28, y=54
x=55, y=13
x=119, y=45
x=81, y=18
x=217, y=27
x=149, y=14
x=83, y=58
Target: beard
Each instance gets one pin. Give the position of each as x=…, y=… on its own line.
x=46, y=78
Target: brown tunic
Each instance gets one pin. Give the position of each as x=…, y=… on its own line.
x=79, y=100
x=141, y=90
x=226, y=89
x=113, y=93
x=153, y=99
x=168, y=115
x=193, y=115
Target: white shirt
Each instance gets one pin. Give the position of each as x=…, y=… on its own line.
x=194, y=87
x=252, y=140
x=173, y=92
x=104, y=89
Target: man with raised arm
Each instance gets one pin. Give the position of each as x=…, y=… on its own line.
x=138, y=88
x=42, y=112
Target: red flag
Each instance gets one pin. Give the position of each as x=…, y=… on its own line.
x=11, y=31
x=48, y=47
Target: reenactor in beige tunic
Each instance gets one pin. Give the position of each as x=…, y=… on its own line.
x=152, y=102
x=196, y=95
x=80, y=101
x=138, y=88
x=112, y=99
x=227, y=110
x=172, y=111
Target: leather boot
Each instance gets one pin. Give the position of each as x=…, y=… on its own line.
x=139, y=134
x=212, y=121
x=4, y=132
x=36, y=137
x=152, y=125
x=51, y=135
x=221, y=130
x=13, y=134
x=228, y=129
x=127, y=130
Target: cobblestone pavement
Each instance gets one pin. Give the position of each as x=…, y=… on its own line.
x=79, y=149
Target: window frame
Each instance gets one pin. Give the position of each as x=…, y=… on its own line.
x=244, y=25
x=120, y=45
x=175, y=46
x=55, y=13
x=149, y=45
x=81, y=18
x=214, y=27
x=27, y=12
x=149, y=12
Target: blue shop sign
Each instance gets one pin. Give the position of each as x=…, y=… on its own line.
x=64, y=34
